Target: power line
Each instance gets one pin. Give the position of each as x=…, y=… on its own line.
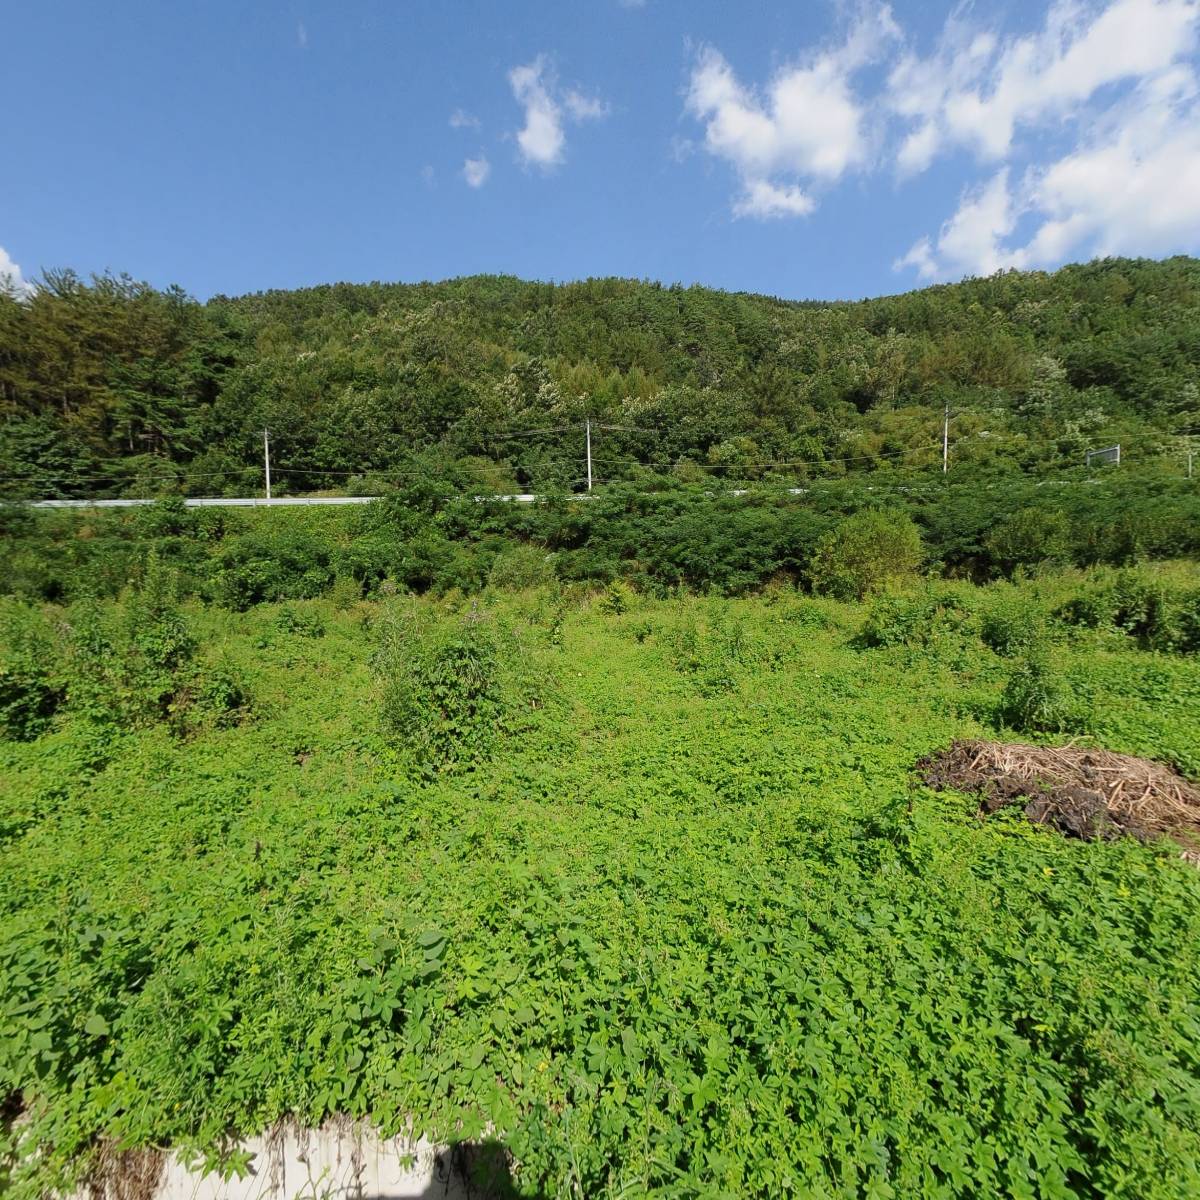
x=800, y=462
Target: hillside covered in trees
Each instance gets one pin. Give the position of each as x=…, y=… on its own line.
x=112, y=387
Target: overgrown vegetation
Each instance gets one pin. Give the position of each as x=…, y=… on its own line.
x=111, y=387
x=846, y=540
x=647, y=886
x=594, y=822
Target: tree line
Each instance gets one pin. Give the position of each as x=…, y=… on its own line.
x=111, y=387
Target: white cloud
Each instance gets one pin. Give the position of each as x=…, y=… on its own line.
x=971, y=242
x=542, y=139
x=584, y=108
x=920, y=255
x=476, y=170
x=10, y=275
x=1132, y=189
x=1088, y=129
x=302, y=35
x=806, y=124
x=977, y=91
x=1131, y=186
x=461, y=119
x=764, y=199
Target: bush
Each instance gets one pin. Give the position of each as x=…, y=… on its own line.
x=1141, y=609
x=442, y=692
x=617, y=599
x=29, y=693
x=807, y=614
x=128, y=665
x=897, y=620
x=218, y=694
x=271, y=565
x=1091, y=609
x=913, y=619
x=714, y=654
x=1030, y=537
x=1036, y=699
x=1187, y=622
x=1010, y=625
x=863, y=553
x=299, y=622
x=521, y=567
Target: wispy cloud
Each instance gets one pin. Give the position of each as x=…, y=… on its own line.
x=806, y=124
x=979, y=91
x=763, y=199
x=1126, y=182
x=10, y=275
x=461, y=119
x=476, y=171
x=302, y=35
x=542, y=139
x=584, y=108
x=1076, y=138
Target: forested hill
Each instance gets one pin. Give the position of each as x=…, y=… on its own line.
x=110, y=387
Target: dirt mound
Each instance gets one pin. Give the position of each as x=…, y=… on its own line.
x=1082, y=792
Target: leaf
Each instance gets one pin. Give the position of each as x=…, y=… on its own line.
x=96, y=1025
x=629, y=1044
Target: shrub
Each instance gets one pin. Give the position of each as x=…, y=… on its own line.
x=127, y=665
x=1010, y=625
x=521, y=567
x=913, y=618
x=299, y=622
x=29, y=693
x=345, y=592
x=617, y=598
x=1187, y=622
x=807, y=614
x=1030, y=537
x=863, y=553
x=273, y=564
x=218, y=694
x=1092, y=608
x=1037, y=699
x=714, y=654
x=897, y=620
x=1141, y=609
x=442, y=690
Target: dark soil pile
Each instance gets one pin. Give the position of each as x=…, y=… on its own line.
x=1081, y=792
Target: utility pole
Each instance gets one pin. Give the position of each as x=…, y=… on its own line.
x=589, y=452
x=946, y=438
x=267, y=460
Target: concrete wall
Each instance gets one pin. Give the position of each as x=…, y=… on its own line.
x=340, y=1161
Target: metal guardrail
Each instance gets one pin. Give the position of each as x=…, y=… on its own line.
x=252, y=501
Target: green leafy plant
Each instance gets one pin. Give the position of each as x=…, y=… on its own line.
x=617, y=599
x=30, y=692
x=442, y=689
x=1011, y=625
x=299, y=622
x=1038, y=699
x=864, y=553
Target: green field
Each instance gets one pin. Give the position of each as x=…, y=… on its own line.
x=644, y=889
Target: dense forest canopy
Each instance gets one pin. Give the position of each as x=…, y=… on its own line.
x=112, y=387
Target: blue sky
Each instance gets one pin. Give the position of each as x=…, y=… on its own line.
x=819, y=149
